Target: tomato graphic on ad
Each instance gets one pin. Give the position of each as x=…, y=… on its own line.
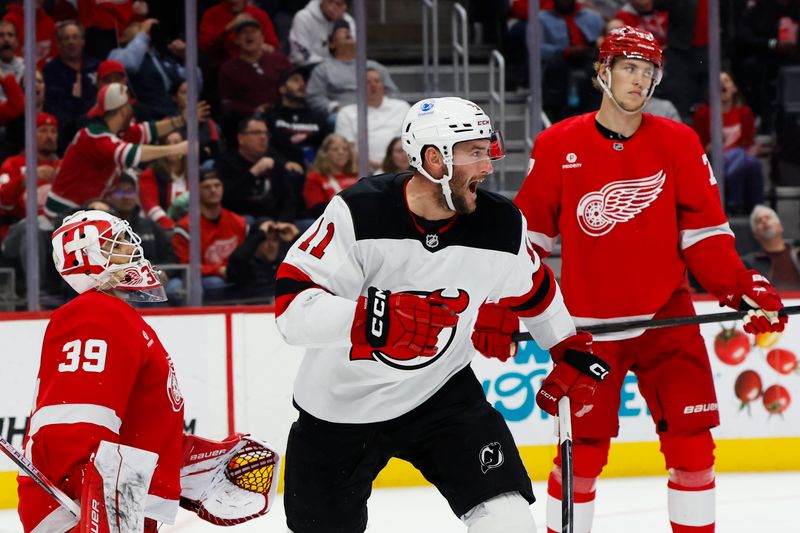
x=747, y=387
x=765, y=340
x=776, y=399
x=783, y=361
x=731, y=346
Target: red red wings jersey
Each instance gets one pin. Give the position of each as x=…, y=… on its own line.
x=627, y=213
x=93, y=162
x=12, y=185
x=219, y=238
x=103, y=375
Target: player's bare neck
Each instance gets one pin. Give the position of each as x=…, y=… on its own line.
x=611, y=118
x=423, y=198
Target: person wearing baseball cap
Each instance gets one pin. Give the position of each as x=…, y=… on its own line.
x=106, y=147
x=12, y=177
x=110, y=71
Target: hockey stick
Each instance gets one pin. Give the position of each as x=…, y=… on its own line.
x=40, y=478
x=662, y=322
x=565, y=443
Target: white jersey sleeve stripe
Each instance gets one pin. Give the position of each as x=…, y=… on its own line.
x=552, y=325
x=545, y=242
x=74, y=413
x=690, y=237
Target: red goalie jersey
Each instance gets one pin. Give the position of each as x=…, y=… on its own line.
x=104, y=375
x=631, y=213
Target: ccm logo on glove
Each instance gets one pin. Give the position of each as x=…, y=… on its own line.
x=377, y=302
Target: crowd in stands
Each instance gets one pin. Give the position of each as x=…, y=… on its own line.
x=278, y=114
x=277, y=130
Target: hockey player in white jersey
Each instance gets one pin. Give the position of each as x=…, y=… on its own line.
x=384, y=291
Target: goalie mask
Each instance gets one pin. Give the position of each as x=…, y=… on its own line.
x=443, y=123
x=94, y=250
x=630, y=43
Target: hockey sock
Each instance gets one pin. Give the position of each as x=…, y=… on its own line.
x=584, y=502
x=691, y=501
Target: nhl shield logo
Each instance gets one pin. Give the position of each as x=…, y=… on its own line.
x=431, y=240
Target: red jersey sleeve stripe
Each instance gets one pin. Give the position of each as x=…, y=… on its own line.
x=290, y=282
x=539, y=298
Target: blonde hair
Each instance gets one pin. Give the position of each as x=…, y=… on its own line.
x=322, y=161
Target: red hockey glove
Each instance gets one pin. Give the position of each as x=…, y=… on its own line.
x=403, y=326
x=493, y=330
x=755, y=293
x=576, y=374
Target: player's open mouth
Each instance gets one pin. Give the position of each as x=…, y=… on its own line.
x=473, y=186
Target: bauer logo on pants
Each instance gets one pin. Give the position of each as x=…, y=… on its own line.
x=491, y=456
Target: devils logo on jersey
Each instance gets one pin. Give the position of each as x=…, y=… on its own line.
x=619, y=201
x=491, y=456
x=457, y=304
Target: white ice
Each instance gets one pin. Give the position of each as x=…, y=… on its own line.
x=751, y=503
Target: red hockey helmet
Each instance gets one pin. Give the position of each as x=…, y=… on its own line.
x=632, y=43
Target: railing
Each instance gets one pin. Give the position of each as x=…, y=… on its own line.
x=458, y=23
x=430, y=50
x=174, y=270
x=497, y=104
x=545, y=123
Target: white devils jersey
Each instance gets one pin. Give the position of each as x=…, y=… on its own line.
x=367, y=237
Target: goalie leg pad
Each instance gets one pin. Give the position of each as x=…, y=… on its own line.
x=508, y=512
x=115, y=485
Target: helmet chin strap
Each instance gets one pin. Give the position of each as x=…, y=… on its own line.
x=444, y=182
x=607, y=90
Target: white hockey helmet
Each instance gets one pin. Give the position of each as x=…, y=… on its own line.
x=444, y=122
x=94, y=250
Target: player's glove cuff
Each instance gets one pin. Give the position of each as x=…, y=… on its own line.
x=587, y=363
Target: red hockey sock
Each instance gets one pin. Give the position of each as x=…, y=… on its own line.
x=584, y=503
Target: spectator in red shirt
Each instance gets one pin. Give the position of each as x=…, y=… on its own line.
x=12, y=177
x=45, y=30
x=105, y=20
x=333, y=170
x=643, y=14
x=163, y=182
x=221, y=232
x=217, y=38
x=744, y=178
x=15, y=130
x=248, y=84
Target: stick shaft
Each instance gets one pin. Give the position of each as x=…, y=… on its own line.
x=662, y=322
x=39, y=478
x=565, y=442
